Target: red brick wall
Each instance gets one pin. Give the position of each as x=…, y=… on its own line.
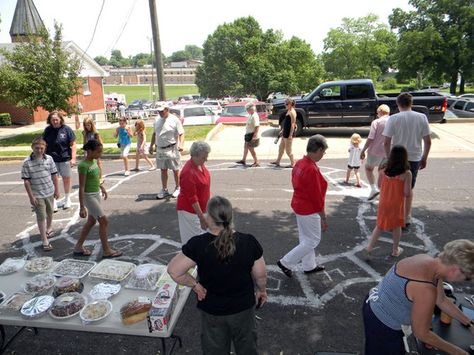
x=18, y=115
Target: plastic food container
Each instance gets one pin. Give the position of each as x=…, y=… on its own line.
x=145, y=277
x=11, y=265
x=37, y=307
x=112, y=270
x=14, y=303
x=103, y=291
x=37, y=265
x=39, y=284
x=67, y=284
x=74, y=268
x=67, y=305
x=96, y=311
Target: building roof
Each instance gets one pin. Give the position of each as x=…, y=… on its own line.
x=26, y=19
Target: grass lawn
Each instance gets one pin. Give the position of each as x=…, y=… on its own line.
x=133, y=92
x=192, y=133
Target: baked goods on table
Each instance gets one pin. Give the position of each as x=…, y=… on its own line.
x=67, y=305
x=42, y=264
x=16, y=301
x=113, y=270
x=145, y=276
x=103, y=291
x=11, y=265
x=96, y=311
x=74, y=268
x=135, y=311
x=36, y=307
x=39, y=283
x=67, y=284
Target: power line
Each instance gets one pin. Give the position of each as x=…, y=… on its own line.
x=123, y=28
x=95, y=27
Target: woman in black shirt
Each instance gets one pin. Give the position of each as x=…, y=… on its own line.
x=232, y=279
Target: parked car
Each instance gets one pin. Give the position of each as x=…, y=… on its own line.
x=186, y=99
x=236, y=112
x=214, y=105
x=137, y=109
x=466, y=96
x=354, y=102
x=194, y=114
x=462, y=108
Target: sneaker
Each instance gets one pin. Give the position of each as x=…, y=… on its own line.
x=373, y=195
x=67, y=204
x=318, y=268
x=175, y=192
x=284, y=269
x=162, y=194
x=126, y=173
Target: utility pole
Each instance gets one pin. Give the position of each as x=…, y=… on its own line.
x=157, y=46
x=152, y=75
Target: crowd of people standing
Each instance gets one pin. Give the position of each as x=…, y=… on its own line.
x=231, y=269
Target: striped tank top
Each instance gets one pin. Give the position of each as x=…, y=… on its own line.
x=389, y=300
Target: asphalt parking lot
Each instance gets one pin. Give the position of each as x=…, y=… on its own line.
x=305, y=314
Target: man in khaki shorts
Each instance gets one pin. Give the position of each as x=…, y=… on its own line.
x=168, y=138
x=374, y=146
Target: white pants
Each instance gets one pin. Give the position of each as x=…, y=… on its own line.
x=309, y=234
x=189, y=226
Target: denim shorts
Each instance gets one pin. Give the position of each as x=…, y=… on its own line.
x=414, y=167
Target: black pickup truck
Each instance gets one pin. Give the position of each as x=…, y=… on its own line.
x=353, y=103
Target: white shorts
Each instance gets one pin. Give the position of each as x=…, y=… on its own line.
x=189, y=226
x=124, y=150
x=168, y=159
x=92, y=203
x=64, y=168
x=373, y=161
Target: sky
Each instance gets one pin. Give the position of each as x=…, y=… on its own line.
x=126, y=24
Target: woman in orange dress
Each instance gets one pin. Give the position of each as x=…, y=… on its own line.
x=394, y=184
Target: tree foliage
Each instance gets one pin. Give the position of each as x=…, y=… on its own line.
x=40, y=73
x=436, y=39
x=241, y=59
x=359, y=48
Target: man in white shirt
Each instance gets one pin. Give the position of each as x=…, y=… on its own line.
x=409, y=129
x=168, y=137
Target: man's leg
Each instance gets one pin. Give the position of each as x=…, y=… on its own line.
x=176, y=178
x=164, y=179
x=414, y=167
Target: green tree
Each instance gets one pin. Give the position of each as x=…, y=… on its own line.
x=40, y=73
x=194, y=51
x=140, y=59
x=359, y=48
x=180, y=56
x=101, y=60
x=241, y=59
x=436, y=40
x=118, y=60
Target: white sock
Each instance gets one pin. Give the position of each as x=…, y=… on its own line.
x=373, y=187
x=66, y=197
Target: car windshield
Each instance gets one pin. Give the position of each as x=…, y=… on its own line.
x=234, y=111
x=211, y=103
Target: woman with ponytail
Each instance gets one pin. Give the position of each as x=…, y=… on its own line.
x=231, y=280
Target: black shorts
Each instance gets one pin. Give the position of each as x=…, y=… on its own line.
x=414, y=167
x=350, y=167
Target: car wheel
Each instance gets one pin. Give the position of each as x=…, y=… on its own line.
x=299, y=128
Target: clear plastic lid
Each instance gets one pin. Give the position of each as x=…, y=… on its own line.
x=67, y=284
x=145, y=276
x=11, y=265
x=39, y=284
x=67, y=305
x=39, y=264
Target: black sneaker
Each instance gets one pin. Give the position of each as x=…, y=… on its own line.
x=318, y=268
x=285, y=270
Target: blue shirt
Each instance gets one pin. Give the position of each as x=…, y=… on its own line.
x=123, y=137
x=59, y=142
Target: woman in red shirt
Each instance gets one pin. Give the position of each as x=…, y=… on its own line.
x=309, y=194
x=195, y=190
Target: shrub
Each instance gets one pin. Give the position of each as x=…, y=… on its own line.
x=389, y=84
x=5, y=119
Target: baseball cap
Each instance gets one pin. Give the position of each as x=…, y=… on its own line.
x=162, y=107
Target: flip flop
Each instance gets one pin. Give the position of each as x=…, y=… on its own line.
x=274, y=163
x=240, y=162
x=47, y=247
x=255, y=165
x=83, y=252
x=400, y=251
x=115, y=254
x=49, y=234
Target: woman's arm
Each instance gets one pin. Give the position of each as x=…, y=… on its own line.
x=424, y=298
x=178, y=269
x=259, y=275
x=293, y=122
x=73, y=153
x=448, y=307
x=82, y=185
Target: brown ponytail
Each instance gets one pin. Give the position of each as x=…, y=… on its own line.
x=220, y=210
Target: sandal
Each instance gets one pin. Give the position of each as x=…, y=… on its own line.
x=255, y=165
x=47, y=247
x=240, y=162
x=115, y=254
x=49, y=234
x=83, y=252
x=274, y=163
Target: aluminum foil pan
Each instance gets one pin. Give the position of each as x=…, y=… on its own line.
x=103, y=291
x=36, y=307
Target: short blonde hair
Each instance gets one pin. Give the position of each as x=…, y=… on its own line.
x=356, y=138
x=459, y=252
x=38, y=140
x=384, y=108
